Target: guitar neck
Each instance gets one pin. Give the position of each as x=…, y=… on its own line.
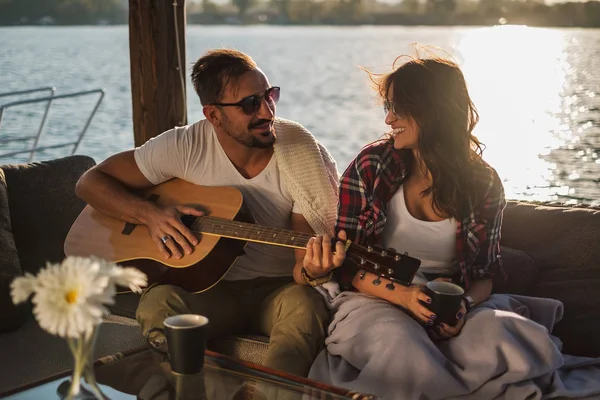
x=384, y=263
x=251, y=232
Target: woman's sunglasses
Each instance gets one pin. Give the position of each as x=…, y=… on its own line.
x=390, y=106
x=251, y=104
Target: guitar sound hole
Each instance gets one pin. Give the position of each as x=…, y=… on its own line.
x=188, y=220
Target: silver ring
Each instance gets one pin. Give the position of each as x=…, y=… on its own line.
x=165, y=239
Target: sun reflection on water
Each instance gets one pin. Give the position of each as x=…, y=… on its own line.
x=516, y=77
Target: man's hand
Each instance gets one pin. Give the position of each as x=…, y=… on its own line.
x=320, y=259
x=168, y=232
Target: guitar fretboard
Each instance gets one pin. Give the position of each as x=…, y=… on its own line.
x=251, y=232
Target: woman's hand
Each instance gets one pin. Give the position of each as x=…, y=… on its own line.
x=320, y=259
x=410, y=299
x=445, y=331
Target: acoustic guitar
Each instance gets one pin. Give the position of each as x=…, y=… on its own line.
x=223, y=231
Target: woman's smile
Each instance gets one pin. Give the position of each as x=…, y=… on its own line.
x=397, y=131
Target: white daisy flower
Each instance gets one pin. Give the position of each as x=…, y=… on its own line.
x=70, y=298
x=125, y=276
x=22, y=287
x=132, y=278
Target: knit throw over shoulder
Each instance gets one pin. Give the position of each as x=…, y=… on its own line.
x=310, y=173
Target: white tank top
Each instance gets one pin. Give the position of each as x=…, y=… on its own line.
x=434, y=243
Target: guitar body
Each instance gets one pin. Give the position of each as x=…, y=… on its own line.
x=95, y=234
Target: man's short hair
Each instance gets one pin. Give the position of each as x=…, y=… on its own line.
x=214, y=70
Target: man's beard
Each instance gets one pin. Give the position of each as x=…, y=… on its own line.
x=246, y=139
x=253, y=142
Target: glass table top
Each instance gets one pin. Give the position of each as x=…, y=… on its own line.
x=142, y=374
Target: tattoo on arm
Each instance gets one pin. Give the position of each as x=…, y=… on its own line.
x=377, y=281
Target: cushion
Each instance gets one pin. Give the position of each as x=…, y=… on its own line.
x=521, y=270
x=11, y=316
x=252, y=348
x=30, y=353
x=43, y=206
x=563, y=240
x=125, y=305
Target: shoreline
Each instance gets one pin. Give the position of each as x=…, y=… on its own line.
x=301, y=25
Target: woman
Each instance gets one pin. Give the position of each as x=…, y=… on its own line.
x=426, y=191
x=443, y=203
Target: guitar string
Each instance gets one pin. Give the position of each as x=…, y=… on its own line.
x=237, y=228
x=245, y=230
x=252, y=231
x=270, y=236
x=249, y=230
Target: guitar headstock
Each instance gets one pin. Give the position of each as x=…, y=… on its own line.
x=386, y=263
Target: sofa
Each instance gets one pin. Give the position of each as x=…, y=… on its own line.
x=37, y=207
x=549, y=250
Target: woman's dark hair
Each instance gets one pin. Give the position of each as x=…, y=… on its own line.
x=214, y=70
x=434, y=93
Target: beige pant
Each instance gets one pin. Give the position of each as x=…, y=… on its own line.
x=294, y=316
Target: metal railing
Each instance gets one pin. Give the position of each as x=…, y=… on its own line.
x=49, y=100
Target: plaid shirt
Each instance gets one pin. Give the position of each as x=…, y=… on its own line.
x=375, y=175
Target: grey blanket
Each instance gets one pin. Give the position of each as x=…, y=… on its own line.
x=505, y=351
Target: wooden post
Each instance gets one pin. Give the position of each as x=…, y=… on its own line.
x=157, y=90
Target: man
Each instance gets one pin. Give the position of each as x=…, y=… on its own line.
x=288, y=181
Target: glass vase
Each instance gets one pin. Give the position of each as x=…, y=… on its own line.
x=83, y=383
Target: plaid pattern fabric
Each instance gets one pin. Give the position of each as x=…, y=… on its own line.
x=375, y=175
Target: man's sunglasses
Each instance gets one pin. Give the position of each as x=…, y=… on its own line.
x=251, y=104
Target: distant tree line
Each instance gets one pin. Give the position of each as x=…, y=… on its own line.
x=62, y=12
x=406, y=12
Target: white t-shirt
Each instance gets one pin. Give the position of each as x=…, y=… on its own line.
x=193, y=153
x=434, y=243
